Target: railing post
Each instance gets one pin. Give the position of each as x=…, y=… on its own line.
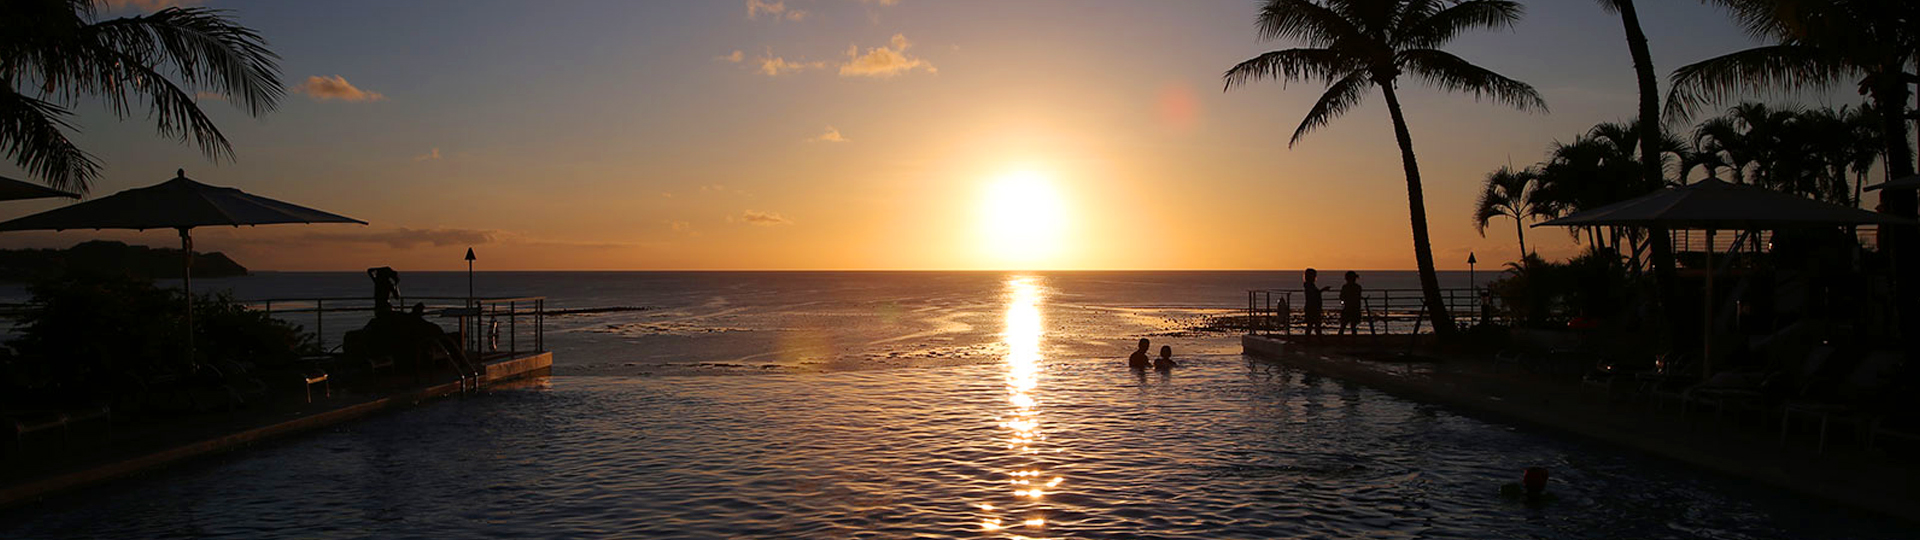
x=540, y=325
x=320, y=323
x=513, y=327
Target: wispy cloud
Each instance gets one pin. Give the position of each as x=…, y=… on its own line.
x=405, y=238
x=429, y=156
x=885, y=61
x=336, y=87
x=724, y=189
x=683, y=227
x=148, y=5
x=736, y=57
x=773, y=66
x=880, y=2
x=777, y=9
x=764, y=219
x=831, y=135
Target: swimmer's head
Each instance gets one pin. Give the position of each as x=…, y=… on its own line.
x=1166, y=351
x=1535, y=480
x=1143, y=344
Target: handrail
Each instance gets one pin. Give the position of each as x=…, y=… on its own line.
x=479, y=317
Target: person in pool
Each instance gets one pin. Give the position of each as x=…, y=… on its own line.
x=1138, y=360
x=1165, y=361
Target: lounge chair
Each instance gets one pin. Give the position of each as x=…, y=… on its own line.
x=1854, y=400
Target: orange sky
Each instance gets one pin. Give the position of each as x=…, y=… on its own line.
x=842, y=134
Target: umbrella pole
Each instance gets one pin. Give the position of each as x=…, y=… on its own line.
x=186, y=282
x=1706, y=326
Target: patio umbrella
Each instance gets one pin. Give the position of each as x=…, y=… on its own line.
x=1910, y=182
x=1712, y=204
x=14, y=190
x=179, y=204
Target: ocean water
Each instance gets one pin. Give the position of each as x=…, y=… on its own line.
x=961, y=405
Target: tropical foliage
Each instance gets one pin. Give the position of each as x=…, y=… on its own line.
x=1514, y=195
x=55, y=53
x=1357, y=46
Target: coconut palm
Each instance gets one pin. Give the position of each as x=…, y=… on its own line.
x=1355, y=46
x=1650, y=134
x=1815, y=45
x=1511, y=194
x=54, y=53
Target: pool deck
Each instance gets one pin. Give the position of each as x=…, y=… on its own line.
x=130, y=454
x=1845, y=473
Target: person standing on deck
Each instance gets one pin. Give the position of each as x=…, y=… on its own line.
x=1314, y=303
x=1350, y=302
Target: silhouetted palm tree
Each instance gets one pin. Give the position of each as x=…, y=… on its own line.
x=1511, y=194
x=1354, y=46
x=53, y=53
x=1817, y=44
x=1650, y=135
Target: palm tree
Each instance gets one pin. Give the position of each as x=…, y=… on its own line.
x=55, y=52
x=1510, y=194
x=1817, y=44
x=1650, y=135
x=1354, y=46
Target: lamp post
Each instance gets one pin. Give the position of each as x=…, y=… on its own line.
x=473, y=309
x=1473, y=285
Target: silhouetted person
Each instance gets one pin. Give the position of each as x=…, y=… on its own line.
x=386, y=289
x=1350, y=302
x=1165, y=361
x=1314, y=304
x=1532, y=487
x=1138, y=360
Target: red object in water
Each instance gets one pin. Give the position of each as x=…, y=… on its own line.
x=1583, y=323
x=1535, y=480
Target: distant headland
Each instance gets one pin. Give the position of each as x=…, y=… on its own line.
x=111, y=257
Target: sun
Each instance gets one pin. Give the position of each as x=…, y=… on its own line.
x=1022, y=220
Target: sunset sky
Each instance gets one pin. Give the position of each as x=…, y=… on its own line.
x=849, y=134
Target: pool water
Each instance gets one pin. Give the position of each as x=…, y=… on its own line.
x=1035, y=444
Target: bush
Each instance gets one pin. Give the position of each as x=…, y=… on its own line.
x=87, y=333
x=1540, y=293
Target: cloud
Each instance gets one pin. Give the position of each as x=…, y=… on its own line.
x=148, y=5
x=776, y=10
x=336, y=87
x=883, y=62
x=773, y=66
x=405, y=238
x=832, y=135
x=683, y=227
x=881, y=2
x=722, y=188
x=736, y=57
x=429, y=156
x=764, y=219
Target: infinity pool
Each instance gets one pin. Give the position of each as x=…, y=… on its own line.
x=1031, y=446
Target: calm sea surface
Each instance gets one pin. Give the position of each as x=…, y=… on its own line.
x=911, y=405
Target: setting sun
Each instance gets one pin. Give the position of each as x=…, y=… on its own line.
x=1023, y=220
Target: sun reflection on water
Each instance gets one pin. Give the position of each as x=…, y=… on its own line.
x=1022, y=337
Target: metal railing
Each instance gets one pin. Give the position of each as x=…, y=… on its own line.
x=485, y=324
x=1382, y=311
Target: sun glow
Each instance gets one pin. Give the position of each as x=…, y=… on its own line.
x=1023, y=220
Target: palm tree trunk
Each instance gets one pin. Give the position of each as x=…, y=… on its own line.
x=1521, y=231
x=1889, y=93
x=1662, y=245
x=1417, y=213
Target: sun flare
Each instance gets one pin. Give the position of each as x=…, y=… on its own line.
x=1023, y=220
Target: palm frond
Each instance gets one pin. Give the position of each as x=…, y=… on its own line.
x=1341, y=96
x=33, y=133
x=1304, y=20
x=207, y=50
x=1442, y=26
x=1452, y=73
x=1290, y=65
x=1757, y=70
